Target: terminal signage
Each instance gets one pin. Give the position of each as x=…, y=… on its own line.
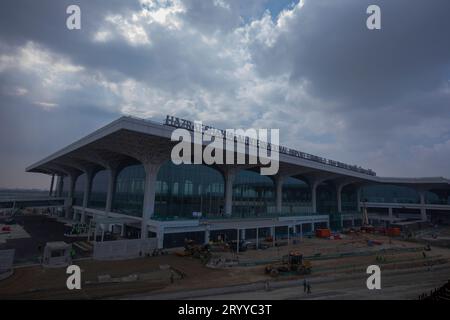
x=193, y=126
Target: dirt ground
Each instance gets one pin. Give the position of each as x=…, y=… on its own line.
x=36, y=282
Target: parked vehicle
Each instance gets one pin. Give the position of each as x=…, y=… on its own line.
x=243, y=245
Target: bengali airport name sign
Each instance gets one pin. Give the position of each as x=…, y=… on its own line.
x=199, y=127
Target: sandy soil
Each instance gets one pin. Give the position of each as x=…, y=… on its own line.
x=36, y=282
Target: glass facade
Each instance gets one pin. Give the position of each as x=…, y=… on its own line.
x=296, y=196
x=129, y=195
x=438, y=197
x=192, y=191
x=253, y=194
x=389, y=194
x=181, y=191
x=189, y=190
x=78, y=194
x=99, y=190
x=349, y=198
x=65, y=188
x=326, y=195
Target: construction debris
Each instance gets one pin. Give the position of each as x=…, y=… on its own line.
x=221, y=262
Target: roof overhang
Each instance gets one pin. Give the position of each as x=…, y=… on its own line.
x=128, y=139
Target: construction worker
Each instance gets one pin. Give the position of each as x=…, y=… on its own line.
x=267, y=286
x=309, y=288
x=72, y=253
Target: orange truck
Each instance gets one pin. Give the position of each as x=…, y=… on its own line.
x=323, y=233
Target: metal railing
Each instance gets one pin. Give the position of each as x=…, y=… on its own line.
x=238, y=216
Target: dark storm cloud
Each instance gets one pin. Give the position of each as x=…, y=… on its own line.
x=28, y=133
x=375, y=98
x=45, y=23
x=328, y=44
x=388, y=85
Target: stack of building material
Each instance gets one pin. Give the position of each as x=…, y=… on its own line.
x=393, y=232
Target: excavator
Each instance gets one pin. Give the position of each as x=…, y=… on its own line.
x=192, y=249
x=293, y=262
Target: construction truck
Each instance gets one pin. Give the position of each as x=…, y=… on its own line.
x=191, y=248
x=291, y=263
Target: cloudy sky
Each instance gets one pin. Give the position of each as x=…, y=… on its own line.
x=379, y=99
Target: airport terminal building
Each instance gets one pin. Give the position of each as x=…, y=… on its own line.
x=123, y=174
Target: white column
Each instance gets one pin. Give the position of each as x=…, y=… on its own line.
x=288, y=235
x=243, y=234
x=257, y=238
x=314, y=186
x=159, y=237
x=50, y=192
x=69, y=200
x=95, y=233
x=390, y=213
x=89, y=231
x=111, y=190
x=423, y=210
x=59, y=187
x=301, y=231
x=339, y=197
x=229, y=180
x=207, y=236
x=279, y=193
x=358, y=198
x=237, y=240
x=151, y=172
x=87, y=193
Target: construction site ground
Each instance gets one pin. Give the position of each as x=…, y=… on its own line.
x=331, y=259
